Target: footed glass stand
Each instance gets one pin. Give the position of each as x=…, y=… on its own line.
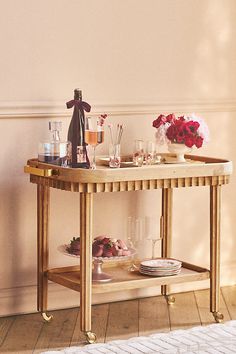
x=97, y=274
x=198, y=171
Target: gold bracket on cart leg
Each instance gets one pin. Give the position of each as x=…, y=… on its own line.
x=218, y=316
x=47, y=317
x=90, y=337
x=170, y=299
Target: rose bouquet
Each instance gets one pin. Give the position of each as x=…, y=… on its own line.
x=188, y=130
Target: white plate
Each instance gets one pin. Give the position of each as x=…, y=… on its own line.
x=159, y=270
x=157, y=274
x=63, y=249
x=161, y=263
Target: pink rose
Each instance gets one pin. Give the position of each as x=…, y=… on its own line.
x=199, y=141
x=192, y=126
x=159, y=121
x=180, y=137
x=170, y=118
x=171, y=132
x=189, y=141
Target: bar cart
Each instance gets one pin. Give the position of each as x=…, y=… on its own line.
x=198, y=171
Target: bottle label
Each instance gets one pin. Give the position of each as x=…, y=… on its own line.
x=63, y=149
x=81, y=155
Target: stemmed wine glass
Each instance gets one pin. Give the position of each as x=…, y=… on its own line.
x=94, y=135
x=152, y=232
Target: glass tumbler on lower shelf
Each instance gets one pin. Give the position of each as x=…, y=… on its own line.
x=152, y=232
x=134, y=235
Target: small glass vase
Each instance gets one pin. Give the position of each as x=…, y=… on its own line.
x=179, y=150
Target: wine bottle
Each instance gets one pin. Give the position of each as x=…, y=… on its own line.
x=76, y=131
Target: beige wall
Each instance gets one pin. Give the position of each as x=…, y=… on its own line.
x=133, y=60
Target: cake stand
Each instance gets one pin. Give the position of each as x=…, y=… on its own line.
x=97, y=273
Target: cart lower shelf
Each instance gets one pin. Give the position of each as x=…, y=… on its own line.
x=122, y=279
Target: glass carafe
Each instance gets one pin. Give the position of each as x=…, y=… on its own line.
x=55, y=151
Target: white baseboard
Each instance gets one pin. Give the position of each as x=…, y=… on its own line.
x=23, y=299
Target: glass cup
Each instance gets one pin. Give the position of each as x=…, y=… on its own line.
x=94, y=135
x=134, y=235
x=114, y=155
x=138, y=153
x=152, y=231
x=150, y=155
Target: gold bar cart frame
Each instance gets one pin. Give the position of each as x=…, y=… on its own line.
x=198, y=171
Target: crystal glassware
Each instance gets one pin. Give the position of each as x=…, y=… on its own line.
x=97, y=274
x=55, y=151
x=150, y=154
x=114, y=155
x=131, y=239
x=151, y=231
x=157, y=154
x=138, y=153
x=134, y=236
x=94, y=135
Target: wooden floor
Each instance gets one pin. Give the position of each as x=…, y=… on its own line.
x=29, y=334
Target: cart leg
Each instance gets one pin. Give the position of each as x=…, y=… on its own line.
x=166, y=230
x=215, y=199
x=43, y=198
x=86, y=217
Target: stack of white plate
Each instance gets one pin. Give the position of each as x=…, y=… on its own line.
x=160, y=267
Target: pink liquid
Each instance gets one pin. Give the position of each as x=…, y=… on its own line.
x=94, y=138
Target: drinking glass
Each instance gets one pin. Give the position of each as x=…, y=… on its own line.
x=114, y=155
x=130, y=232
x=138, y=153
x=94, y=135
x=150, y=153
x=151, y=231
x=132, y=237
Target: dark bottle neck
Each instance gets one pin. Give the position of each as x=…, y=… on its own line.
x=78, y=94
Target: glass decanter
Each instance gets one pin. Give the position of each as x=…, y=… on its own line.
x=55, y=151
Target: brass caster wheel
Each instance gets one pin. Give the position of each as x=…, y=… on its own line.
x=46, y=317
x=91, y=337
x=170, y=299
x=218, y=316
